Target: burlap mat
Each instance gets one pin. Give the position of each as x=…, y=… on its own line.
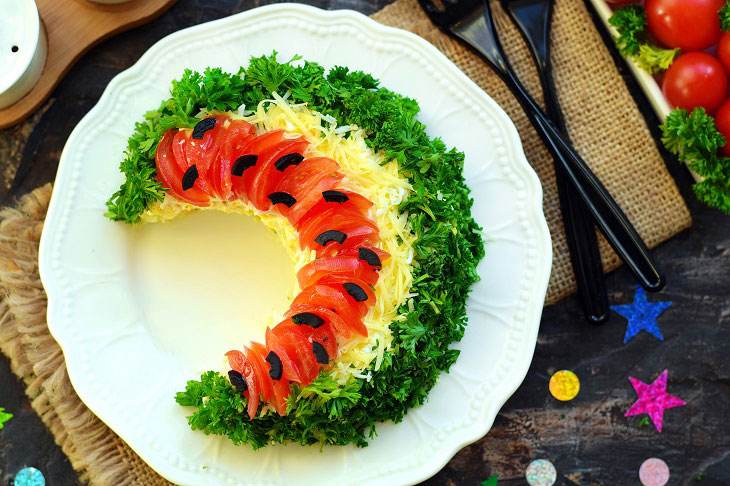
x=603, y=121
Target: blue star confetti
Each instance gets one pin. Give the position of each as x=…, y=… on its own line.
x=29, y=476
x=641, y=315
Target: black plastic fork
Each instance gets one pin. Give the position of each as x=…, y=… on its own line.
x=533, y=19
x=471, y=21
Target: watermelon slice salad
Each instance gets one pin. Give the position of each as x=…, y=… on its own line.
x=375, y=214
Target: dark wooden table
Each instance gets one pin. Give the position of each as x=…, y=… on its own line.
x=588, y=439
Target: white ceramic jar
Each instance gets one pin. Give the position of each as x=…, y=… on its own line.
x=23, y=49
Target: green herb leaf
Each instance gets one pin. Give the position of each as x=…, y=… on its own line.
x=725, y=17
x=630, y=21
x=654, y=59
x=694, y=138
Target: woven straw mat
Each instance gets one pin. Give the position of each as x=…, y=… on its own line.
x=602, y=119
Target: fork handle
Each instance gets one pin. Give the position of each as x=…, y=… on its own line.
x=608, y=216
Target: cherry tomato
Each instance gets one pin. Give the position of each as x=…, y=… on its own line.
x=691, y=25
x=722, y=123
x=723, y=52
x=695, y=79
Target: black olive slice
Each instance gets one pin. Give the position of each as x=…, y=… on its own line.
x=282, y=198
x=190, y=176
x=311, y=320
x=335, y=196
x=237, y=380
x=355, y=291
x=242, y=163
x=286, y=160
x=203, y=126
x=330, y=235
x=275, y=363
x=320, y=353
x=369, y=256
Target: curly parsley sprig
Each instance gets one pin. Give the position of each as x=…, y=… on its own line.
x=630, y=22
x=694, y=138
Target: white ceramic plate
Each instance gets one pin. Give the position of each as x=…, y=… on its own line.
x=138, y=311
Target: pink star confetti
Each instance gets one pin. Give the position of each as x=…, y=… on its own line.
x=653, y=399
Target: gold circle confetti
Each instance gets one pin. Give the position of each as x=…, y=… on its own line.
x=564, y=385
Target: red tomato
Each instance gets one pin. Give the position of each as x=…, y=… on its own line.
x=691, y=25
x=355, y=202
x=237, y=134
x=337, y=282
x=179, y=149
x=336, y=265
x=268, y=175
x=279, y=388
x=286, y=352
x=358, y=235
x=261, y=373
x=332, y=298
x=240, y=363
x=336, y=323
x=695, y=79
x=313, y=193
x=202, y=152
x=242, y=183
x=170, y=175
x=322, y=334
x=382, y=254
x=300, y=349
x=722, y=123
x=621, y=2
x=723, y=52
x=349, y=221
x=310, y=175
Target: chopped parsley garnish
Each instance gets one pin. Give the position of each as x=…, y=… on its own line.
x=630, y=22
x=447, y=249
x=694, y=138
x=4, y=417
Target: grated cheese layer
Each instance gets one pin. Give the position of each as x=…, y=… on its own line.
x=366, y=173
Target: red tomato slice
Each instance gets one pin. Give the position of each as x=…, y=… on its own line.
x=279, y=388
x=337, y=325
x=261, y=372
x=334, y=299
x=309, y=197
x=322, y=334
x=286, y=353
x=242, y=183
x=240, y=363
x=237, y=134
x=355, y=202
x=202, y=152
x=358, y=235
x=333, y=218
x=337, y=281
x=268, y=176
x=180, y=150
x=349, y=266
x=170, y=175
x=305, y=177
x=297, y=343
x=355, y=251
